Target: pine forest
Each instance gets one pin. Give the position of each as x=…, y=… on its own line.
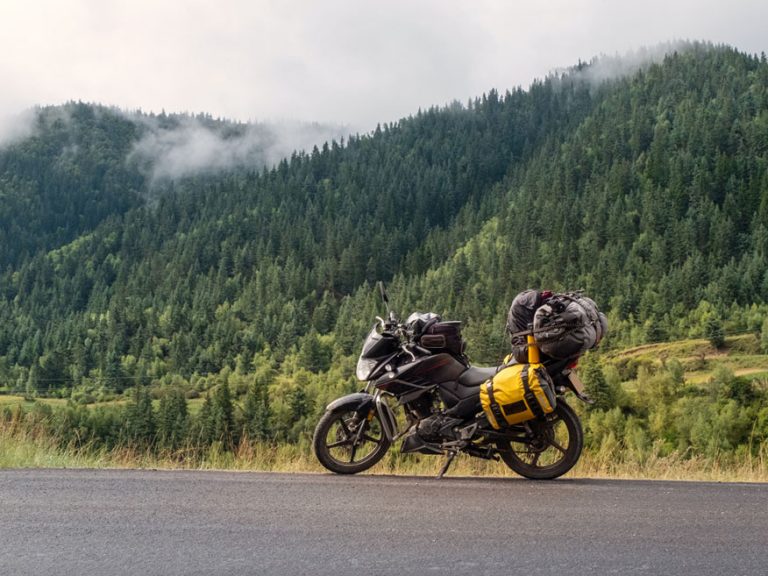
x=176, y=313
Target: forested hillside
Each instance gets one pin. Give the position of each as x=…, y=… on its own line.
x=656, y=205
x=224, y=266
x=63, y=181
x=649, y=191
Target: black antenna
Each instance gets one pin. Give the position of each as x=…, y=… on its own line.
x=384, y=296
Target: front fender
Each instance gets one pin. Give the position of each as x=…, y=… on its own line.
x=363, y=402
x=359, y=401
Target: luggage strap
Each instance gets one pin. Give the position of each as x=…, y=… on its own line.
x=530, y=397
x=495, y=408
x=553, y=326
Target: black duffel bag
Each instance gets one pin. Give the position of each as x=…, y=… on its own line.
x=567, y=325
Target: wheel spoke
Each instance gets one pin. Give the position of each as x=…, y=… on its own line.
x=539, y=456
x=371, y=439
x=344, y=442
x=352, y=453
x=554, y=444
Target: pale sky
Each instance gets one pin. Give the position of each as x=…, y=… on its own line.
x=352, y=62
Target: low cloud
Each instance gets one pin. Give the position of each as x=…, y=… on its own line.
x=178, y=146
x=605, y=68
x=173, y=146
x=16, y=127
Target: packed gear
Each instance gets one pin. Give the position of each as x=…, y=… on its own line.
x=564, y=325
x=568, y=325
x=518, y=393
x=520, y=320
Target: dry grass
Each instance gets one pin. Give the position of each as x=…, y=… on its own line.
x=33, y=449
x=674, y=467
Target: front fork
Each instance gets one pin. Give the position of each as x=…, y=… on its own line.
x=386, y=415
x=368, y=403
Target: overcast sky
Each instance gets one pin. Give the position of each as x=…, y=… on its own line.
x=354, y=62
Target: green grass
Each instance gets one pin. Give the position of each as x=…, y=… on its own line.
x=699, y=358
x=11, y=400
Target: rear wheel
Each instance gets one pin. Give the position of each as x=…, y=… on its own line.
x=348, y=442
x=552, y=447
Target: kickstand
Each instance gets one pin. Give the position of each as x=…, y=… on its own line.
x=448, y=460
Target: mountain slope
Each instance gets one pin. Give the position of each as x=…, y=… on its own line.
x=65, y=179
x=649, y=191
x=82, y=164
x=656, y=203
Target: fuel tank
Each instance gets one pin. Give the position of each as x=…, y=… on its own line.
x=422, y=374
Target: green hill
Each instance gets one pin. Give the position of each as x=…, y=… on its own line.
x=125, y=261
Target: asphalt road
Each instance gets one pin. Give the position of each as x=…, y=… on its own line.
x=84, y=522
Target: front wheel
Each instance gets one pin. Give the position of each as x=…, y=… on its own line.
x=552, y=447
x=348, y=442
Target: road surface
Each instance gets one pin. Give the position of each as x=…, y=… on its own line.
x=109, y=522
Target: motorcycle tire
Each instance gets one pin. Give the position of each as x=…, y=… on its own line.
x=553, y=447
x=338, y=440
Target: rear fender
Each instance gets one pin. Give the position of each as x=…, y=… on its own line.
x=571, y=381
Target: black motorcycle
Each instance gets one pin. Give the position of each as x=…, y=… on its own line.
x=420, y=366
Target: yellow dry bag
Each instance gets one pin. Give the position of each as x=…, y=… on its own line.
x=518, y=393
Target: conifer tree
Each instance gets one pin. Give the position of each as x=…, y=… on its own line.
x=713, y=329
x=139, y=420
x=218, y=420
x=256, y=413
x=598, y=389
x=172, y=420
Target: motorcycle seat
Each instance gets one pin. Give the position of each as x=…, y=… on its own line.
x=476, y=375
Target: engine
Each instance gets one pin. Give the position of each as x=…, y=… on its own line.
x=437, y=428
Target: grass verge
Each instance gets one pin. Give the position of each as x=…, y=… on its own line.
x=31, y=449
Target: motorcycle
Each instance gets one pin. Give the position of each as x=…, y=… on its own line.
x=411, y=366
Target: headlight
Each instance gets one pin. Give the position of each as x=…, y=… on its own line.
x=364, y=368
